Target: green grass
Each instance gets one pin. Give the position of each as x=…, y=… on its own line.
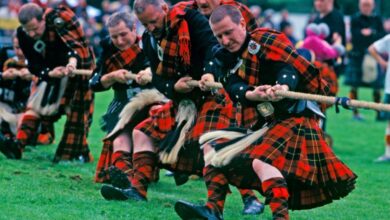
x=34, y=188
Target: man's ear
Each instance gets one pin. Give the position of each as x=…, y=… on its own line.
x=243, y=23
x=165, y=7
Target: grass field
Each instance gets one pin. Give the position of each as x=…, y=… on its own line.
x=34, y=188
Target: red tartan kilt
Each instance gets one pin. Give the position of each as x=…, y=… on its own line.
x=105, y=159
x=190, y=160
x=329, y=75
x=216, y=113
x=104, y=162
x=296, y=146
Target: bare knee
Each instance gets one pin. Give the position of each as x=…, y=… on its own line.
x=122, y=142
x=264, y=170
x=32, y=113
x=142, y=142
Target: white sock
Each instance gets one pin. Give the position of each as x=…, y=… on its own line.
x=387, y=151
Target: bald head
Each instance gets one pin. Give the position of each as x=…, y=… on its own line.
x=30, y=11
x=226, y=11
x=366, y=7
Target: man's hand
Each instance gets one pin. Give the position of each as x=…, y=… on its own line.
x=266, y=93
x=143, y=76
x=182, y=86
x=206, y=78
x=25, y=74
x=271, y=92
x=383, y=63
x=366, y=32
x=119, y=76
x=57, y=72
x=68, y=71
x=70, y=67
x=10, y=74
x=258, y=94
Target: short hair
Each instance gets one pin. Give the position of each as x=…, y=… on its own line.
x=30, y=11
x=225, y=11
x=139, y=6
x=117, y=17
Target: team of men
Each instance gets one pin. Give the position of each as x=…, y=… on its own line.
x=166, y=115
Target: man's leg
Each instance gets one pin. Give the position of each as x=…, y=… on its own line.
x=47, y=133
x=274, y=188
x=144, y=163
x=353, y=94
x=252, y=205
x=26, y=132
x=122, y=163
x=28, y=128
x=217, y=189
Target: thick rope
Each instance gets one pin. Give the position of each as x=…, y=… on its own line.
x=344, y=102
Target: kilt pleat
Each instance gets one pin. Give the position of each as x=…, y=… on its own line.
x=215, y=113
x=296, y=147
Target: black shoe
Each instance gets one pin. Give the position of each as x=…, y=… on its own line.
x=187, y=210
x=115, y=193
x=252, y=207
x=118, y=178
x=10, y=148
x=180, y=178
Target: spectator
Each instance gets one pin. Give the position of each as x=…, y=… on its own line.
x=327, y=13
x=366, y=28
x=377, y=48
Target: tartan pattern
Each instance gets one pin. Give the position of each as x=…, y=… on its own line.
x=105, y=159
x=74, y=139
x=250, y=20
x=275, y=46
x=190, y=160
x=329, y=75
x=72, y=34
x=157, y=127
x=27, y=130
x=216, y=113
x=247, y=194
x=121, y=59
x=246, y=116
x=77, y=95
x=297, y=148
x=217, y=188
x=176, y=46
x=104, y=162
x=144, y=164
x=276, y=193
x=123, y=161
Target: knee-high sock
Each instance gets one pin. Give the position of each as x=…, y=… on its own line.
x=27, y=130
x=247, y=194
x=143, y=166
x=123, y=161
x=217, y=188
x=276, y=193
